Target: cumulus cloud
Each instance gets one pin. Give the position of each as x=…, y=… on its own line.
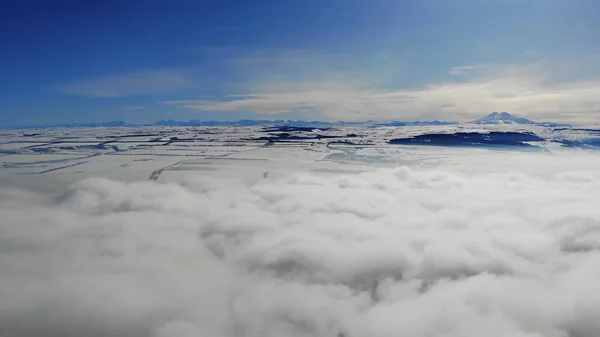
x=416, y=252
x=527, y=91
x=136, y=83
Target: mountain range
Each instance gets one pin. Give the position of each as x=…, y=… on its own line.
x=493, y=118
x=244, y=122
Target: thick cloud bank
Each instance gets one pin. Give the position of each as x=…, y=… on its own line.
x=396, y=252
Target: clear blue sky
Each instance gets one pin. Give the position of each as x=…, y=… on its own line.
x=140, y=61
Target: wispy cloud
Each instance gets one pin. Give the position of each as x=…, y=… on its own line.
x=523, y=90
x=461, y=69
x=360, y=87
x=134, y=107
x=135, y=83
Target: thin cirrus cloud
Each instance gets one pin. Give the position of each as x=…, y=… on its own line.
x=480, y=89
x=134, y=107
x=284, y=82
x=144, y=82
x=418, y=252
x=460, y=69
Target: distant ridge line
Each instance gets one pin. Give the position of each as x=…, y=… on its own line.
x=493, y=118
x=243, y=122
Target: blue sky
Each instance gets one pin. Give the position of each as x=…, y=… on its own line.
x=141, y=61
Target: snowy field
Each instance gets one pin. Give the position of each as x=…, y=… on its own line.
x=181, y=232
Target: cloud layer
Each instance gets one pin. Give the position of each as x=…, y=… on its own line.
x=387, y=253
x=354, y=87
x=550, y=90
x=524, y=94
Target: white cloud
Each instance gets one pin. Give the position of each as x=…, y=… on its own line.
x=134, y=107
x=120, y=85
x=387, y=253
x=460, y=69
x=525, y=91
x=355, y=86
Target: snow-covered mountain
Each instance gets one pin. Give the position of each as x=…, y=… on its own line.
x=502, y=118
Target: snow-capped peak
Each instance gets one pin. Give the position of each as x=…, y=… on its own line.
x=502, y=118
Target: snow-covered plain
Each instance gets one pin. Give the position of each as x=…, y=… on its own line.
x=247, y=232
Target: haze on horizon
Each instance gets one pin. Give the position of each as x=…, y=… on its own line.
x=76, y=61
